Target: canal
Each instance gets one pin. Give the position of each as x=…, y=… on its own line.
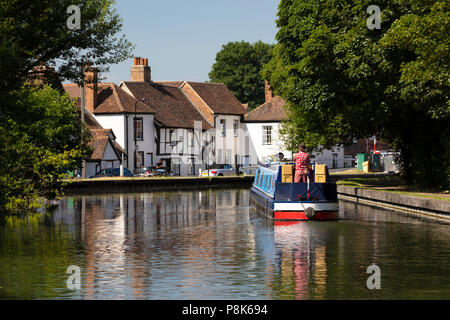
x=212, y=245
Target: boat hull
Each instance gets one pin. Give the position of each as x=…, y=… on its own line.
x=293, y=210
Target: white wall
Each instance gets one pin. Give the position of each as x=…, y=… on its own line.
x=116, y=123
x=91, y=169
x=229, y=145
x=326, y=156
x=257, y=149
x=147, y=145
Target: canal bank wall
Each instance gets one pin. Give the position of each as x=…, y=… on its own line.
x=429, y=208
x=155, y=184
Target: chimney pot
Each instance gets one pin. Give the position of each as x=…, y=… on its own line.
x=140, y=71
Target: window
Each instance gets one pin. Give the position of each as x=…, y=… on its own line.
x=139, y=159
x=245, y=160
x=228, y=156
x=223, y=122
x=219, y=156
x=191, y=166
x=335, y=160
x=267, y=134
x=235, y=127
x=191, y=138
x=176, y=166
x=138, y=129
x=150, y=158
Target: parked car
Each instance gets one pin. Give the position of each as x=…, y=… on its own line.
x=144, y=172
x=113, y=172
x=219, y=170
x=162, y=171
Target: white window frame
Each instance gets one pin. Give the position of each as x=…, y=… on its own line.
x=267, y=135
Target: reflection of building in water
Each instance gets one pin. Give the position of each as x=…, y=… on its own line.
x=232, y=199
x=301, y=261
x=127, y=237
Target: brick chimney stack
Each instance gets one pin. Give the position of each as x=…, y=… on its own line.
x=90, y=87
x=268, y=91
x=140, y=71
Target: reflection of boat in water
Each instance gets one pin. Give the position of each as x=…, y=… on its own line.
x=274, y=194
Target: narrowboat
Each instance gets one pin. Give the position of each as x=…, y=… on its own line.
x=275, y=194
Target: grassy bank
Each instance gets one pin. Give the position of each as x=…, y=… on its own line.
x=394, y=184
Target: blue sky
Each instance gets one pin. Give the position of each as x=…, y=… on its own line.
x=181, y=38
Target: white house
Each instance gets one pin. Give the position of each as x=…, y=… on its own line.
x=129, y=118
x=188, y=125
x=195, y=123
x=106, y=153
x=262, y=125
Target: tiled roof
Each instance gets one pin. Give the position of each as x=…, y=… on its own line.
x=218, y=97
x=176, y=84
x=99, y=135
x=98, y=142
x=172, y=108
x=111, y=99
x=72, y=89
x=271, y=111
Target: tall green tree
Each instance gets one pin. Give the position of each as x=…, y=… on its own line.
x=40, y=143
x=41, y=135
x=238, y=66
x=343, y=80
x=37, y=32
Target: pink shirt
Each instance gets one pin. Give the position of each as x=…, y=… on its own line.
x=301, y=160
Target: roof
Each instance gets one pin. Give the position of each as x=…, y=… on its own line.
x=111, y=99
x=218, y=97
x=170, y=83
x=271, y=111
x=99, y=135
x=99, y=141
x=172, y=108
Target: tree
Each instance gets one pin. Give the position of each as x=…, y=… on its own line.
x=41, y=136
x=39, y=145
x=238, y=66
x=343, y=80
x=33, y=33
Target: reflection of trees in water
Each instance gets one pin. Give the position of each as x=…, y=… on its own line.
x=34, y=256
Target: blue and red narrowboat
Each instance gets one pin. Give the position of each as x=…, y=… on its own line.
x=277, y=196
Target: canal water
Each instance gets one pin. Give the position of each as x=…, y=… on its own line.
x=212, y=245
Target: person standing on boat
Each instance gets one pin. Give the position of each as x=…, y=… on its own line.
x=301, y=164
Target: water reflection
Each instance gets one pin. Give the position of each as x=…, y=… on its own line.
x=211, y=245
